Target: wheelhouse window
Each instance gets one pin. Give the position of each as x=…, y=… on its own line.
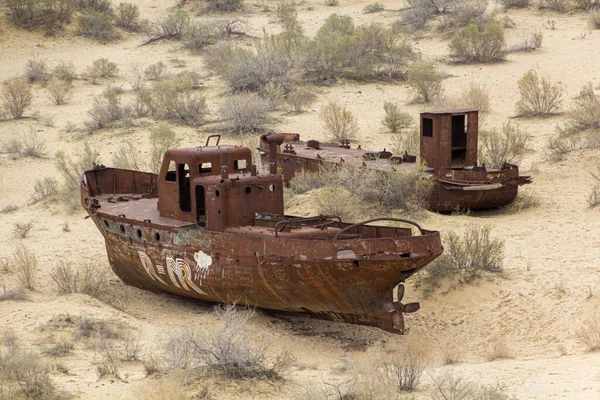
x=205, y=167
x=427, y=127
x=185, y=198
x=171, y=172
x=240, y=165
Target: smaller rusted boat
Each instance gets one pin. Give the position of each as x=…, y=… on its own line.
x=448, y=149
x=208, y=226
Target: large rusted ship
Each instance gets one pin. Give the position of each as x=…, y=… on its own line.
x=448, y=149
x=209, y=227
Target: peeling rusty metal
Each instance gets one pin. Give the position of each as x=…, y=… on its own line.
x=448, y=149
x=209, y=227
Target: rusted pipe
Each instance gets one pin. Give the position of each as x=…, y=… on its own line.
x=273, y=141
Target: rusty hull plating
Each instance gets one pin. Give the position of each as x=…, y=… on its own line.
x=209, y=227
x=448, y=147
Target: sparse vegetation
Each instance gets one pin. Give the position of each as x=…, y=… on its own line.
x=16, y=97
x=127, y=16
x=474, y=44
x=71, y=170
x=59, y=91
x=406, y=141
x=530, y=41
x=497, y=349
x=37, y=70
x=558, y=146
x=515, y=3
x=25, y=145
x=589, y=333
x=451, y=386
x=338, y=201
x=98, y=25
x=106, y=68
x=594, y=196
x=585, y=115
x=22, y=229
x=299, y=100
x=45, y=190
x=395, y=120
x=594, y=19
x=106, y=111
x=426, y=81
x=373, y=8
x=26, y=376
x=245, y=113
x=223, y=6
x=26, y=266
x=32, y=14
x=338, y=122
x=524, y=201
x=505, y=146
x=89, y=278
x=538, y=96
x=407, y=365
x=65, y=72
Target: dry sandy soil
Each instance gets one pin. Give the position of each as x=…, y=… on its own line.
x=551, y=285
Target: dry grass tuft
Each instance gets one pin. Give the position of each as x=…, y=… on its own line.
x=589, y=332
x=26, y=266
x=89, y=278
x=497, y=349
x=21, y=230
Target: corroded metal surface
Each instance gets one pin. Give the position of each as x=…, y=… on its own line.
x=448, y=149
x=230, y=242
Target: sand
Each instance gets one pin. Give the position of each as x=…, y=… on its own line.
x=551, y=284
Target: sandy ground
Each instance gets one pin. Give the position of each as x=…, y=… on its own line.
x=551, y=283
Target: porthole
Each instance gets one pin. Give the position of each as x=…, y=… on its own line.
x=139, y=233
x=122, y=229
x=157, y=236
x=248, y=189
x=271, y=187
x=217, y=193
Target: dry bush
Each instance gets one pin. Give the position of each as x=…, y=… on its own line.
x=60, y=349
x=395, y=120
x=594, y=19
x=128, y=156
x=17, y=294
x=106, y=111
x=475, y=96
x=26, y=266
x=199, y=35
x=554, y=5
x=558, y=146
x=496, y=350
x=474, y=44
x=45, y=190
x=49, y=15
x=127, y=16
x=515, y=3
x=585, y=114
x=338, y=122
x=12, y=146
x=468, y=256
x=171, y=27
x=530, y=41
x=449, y=386
x=426, y=82
x=465, y=13
x=177, y=353
x=8, y=209
x=21, y=230
x=245, y=113
x=65, y=72
x=594, y=197
x=373, y=8
x=98, y=25
x=37, y=70
x=406, y=142
x=136, y=77
x=59, y=91
x=29, y=372
x=337, y=201
x=304, y=181
x=538, y=96
x=589, y=333
x=505, y=146
x=71, y=171
x=32, y=145
x=223, y=6
x=233, y=352
x=89, y=278
x=299, y=100
x=16, y=97
x=110, y=359
x=106, y=68
x=523, y=201
x=420, y=12
x=156, y=72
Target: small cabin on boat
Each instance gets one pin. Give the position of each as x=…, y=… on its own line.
x=216, y=187
x=449, y=138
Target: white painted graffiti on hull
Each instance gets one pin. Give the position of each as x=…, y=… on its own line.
x=179, y=271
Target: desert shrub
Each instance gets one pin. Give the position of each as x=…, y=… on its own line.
x=200, y=35
x=426, y=81
x=30, y=374
x=373, y=8
x=59, y=91
x=396, y=120
x=554, y=5
x=135, y=77
x=16, y=97
x=407, y=365
x=338, y=122
x=496, y=349
x=44, y=190
x=174, y=99
x=538, y=96
x=26, y=266
x=245, y=113
x=585, y=114
x=529, y=42
x=17, y=294
x=171, y=27
x=449, y=386
x=106, y=111
x=233, y=352
x=89, y=278
x=337, y=201
x=468, y=256
x=110, y=359
x=505, y=146
x=223, y=6
x=299, y=100
x=476, y=96
x=275, y=95
x=92, y=73
x=558, y=146
x=37, y=70
x=13, y=146
x=594, y=19
x=21, y=230
x=127, y=16
x=177, y=353
x=71, y=170
x=465, y=13
x=31, y=14
x=162, y=138
x=523, y=201
x=475, y=44
x=106, y=68
x=156, y=72
x=60, y=349
x=97, y=25
x=304, y=181
x=589, y=333
x=65, y=72
x=420, y=12
x=8, y=209
x=406, y=141
x=128, y=156
x=32, y=145
x=515, y=3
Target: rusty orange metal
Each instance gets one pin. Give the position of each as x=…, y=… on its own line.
x=208, y=226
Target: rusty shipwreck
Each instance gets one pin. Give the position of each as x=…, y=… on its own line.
x=448, y=149
x=209, y=227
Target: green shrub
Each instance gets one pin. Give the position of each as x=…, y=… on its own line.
x=16, y=97
x=373, y=8
x=97, y=25
x=30, y=14
x=585, y=114
x=245, y=113
x=106, y=68
x=65, y=72
x=473, y=44
x=200, y=35
x=223, y=6
x=396, y=120
x=420, y=12
x=506, y=146
x=106, y=111
x=127, y=17
x=426, y=81
x=538, y=96
x=299, y=100
x=515, y=3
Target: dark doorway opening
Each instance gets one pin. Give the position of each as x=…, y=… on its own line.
x=185, y=198
x=200, y=206
x=459, y=140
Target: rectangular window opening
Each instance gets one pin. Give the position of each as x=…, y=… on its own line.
x=427, y=127
x=171, y=172
x=240, y=165
x=205, y=167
